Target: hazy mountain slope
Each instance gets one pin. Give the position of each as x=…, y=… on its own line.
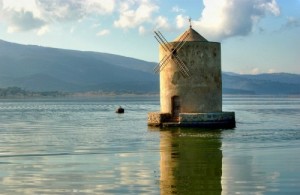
x=47, y=69
x=41, y=68
x=261, y=84
x=276, y=77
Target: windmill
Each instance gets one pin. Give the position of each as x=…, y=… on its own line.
x=190, y=83
x=172, y=53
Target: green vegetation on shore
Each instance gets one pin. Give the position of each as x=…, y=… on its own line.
x=16, y=92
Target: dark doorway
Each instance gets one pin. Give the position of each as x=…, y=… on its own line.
x=175, y=106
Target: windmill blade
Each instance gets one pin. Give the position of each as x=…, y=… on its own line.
x=182, y=42
x=182, y=65
x=157, y=67
x=162, y=36
x=183, y=72
x=162, y=44
x=183, y=68
x=162, y=64
x=184, y=36
x=172, y=53
x=179, y=46
x=162, y=39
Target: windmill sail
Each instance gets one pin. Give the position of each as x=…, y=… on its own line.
x=161, y=39
x=162, y=63
x=172, y=53
x=182, y=67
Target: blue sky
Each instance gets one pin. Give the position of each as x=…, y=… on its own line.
x=257, y=36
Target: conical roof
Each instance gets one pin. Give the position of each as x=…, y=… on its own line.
x=192, y=36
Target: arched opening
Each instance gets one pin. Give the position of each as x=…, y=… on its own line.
x=175, y=106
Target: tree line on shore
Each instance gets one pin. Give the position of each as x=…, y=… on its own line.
x=19, y=92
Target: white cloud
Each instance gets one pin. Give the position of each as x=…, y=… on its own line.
x=100, y=7
x=22, y=21
x=251, y=71
x=269, y=5
x=135, y=12
x=177, y=9
x=36, y=14
x=125, y=5
x=20, y=16
x=43, y=30
x=28, y=5
x=142, y=30
x=225, y=18
x=57, y=10
x=219, y=19
x=272, y=70
x=39, y=15
x=103, y=32
x=181, y=21
x=162, y=22
x=255, y=71
x=291, y=22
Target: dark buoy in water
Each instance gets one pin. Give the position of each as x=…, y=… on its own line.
x=120, y=110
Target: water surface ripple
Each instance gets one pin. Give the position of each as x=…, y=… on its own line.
x=81, y=146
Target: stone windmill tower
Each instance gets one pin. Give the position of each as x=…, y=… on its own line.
x=190, y=83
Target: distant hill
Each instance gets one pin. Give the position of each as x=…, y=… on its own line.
x=36, y=68
x=272, y=84
x=16, y=92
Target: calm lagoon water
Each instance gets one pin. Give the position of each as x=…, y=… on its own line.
x=80, y=146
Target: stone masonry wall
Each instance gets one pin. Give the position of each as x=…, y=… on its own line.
x=206, y=117
x=157, y=118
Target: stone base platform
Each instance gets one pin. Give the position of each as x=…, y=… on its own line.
x=207, y=120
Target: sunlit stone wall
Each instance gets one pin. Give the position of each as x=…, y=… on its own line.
x=202, y=91
x=206, y=117
x=157, y=118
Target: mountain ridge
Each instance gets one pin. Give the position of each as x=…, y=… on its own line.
x=38, y=68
